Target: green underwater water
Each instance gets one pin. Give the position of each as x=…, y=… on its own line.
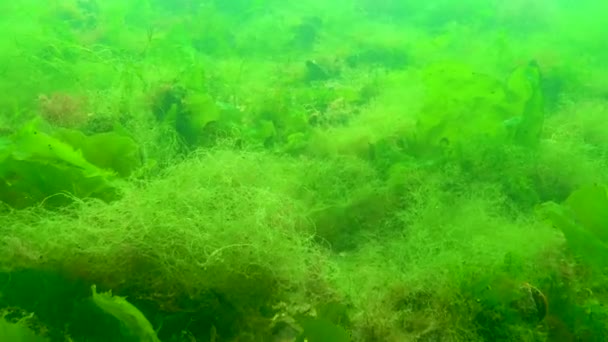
x=263, y=170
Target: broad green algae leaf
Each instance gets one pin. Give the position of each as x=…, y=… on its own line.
x=322, y=330
x=35, y=166
x=16, y=332
x=326, y=326
x=32, y=144
x=589, y=205
x=583, y=219
x=460, y=104
x=133, y=320
x=464, y=107
x=111, y=151
x=580, y=241
x=524, y=86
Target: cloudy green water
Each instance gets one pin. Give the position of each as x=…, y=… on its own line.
x=308, y=170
